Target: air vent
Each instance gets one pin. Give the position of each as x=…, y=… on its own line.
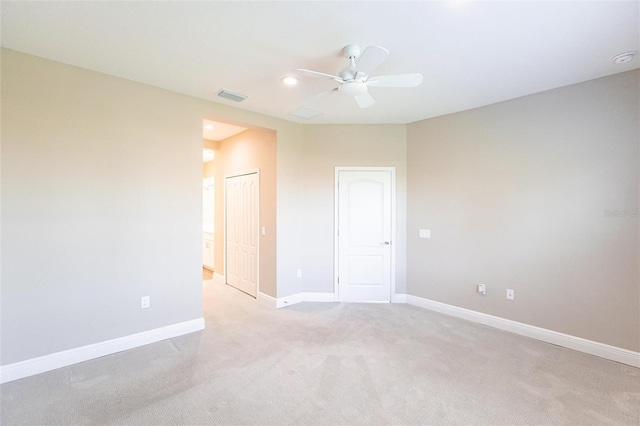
x=233, y=96
x=306, y=113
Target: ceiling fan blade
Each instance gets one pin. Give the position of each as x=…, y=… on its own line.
x=317, y=74
x=365, y=100
x=371, y=59
x=396, y=80
x=315, y=98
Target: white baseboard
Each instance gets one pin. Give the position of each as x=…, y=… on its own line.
x=601, y=350
x=57, y=360
x=267, y=300
x=289, y=300
x=324, y=297
x=305, y=297
x=398, y=298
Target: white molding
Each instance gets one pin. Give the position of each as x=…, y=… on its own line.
x=322, y=297
x=289, y=300
x=30, y=367
x=305, y=297
x=242, y=173
x=601, y=350
x=266, y=300
x=398, y=298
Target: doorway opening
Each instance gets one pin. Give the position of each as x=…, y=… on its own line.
x=213, y=134
x=240, y=250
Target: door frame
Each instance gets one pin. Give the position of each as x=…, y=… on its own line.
x=205, y=181
x=224, y=249
x=336, y=242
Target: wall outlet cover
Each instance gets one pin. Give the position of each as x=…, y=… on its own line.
x=511, y=294
x=425, y=233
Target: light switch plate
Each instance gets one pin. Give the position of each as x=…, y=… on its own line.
x=425, y=233
x=145, y=302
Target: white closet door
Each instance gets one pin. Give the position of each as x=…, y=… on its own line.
x=242, y=197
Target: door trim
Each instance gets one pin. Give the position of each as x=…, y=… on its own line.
x=224, y=248
x=336, y=251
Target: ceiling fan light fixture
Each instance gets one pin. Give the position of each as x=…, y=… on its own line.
x=289, y=80
x=354, y=80
x=353, y=88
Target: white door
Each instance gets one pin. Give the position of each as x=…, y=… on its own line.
x=364, y=234
x=242, y=232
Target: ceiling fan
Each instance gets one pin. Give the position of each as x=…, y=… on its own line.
x=354, y=80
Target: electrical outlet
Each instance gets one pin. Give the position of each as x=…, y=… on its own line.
x=482, y=289
x=145, y=302
x=511, y=294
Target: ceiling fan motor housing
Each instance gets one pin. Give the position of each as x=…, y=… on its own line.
x=352, y=51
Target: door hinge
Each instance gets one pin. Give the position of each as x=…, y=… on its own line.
x=338, y=280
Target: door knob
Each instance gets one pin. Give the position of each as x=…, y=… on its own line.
x=386, y=243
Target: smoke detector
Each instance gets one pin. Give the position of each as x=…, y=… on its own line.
x=623, y=58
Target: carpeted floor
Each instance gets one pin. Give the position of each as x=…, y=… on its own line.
x=330, y=363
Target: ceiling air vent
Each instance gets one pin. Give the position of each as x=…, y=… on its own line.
x=306, y=113
x=233, y=96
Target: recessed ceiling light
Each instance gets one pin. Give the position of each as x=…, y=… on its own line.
x=290, y=80
x=623, y=58
x=209, y=127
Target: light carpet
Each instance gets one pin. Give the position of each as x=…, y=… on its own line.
x=331, y=363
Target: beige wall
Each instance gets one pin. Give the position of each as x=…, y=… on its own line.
x=101, y=204
x=328, y=146
x=516, y=196
x=208, y=169
x=253, y=149
x=101, y=192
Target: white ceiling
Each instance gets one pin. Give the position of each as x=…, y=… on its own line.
x=218, y=131
x=470, y=53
